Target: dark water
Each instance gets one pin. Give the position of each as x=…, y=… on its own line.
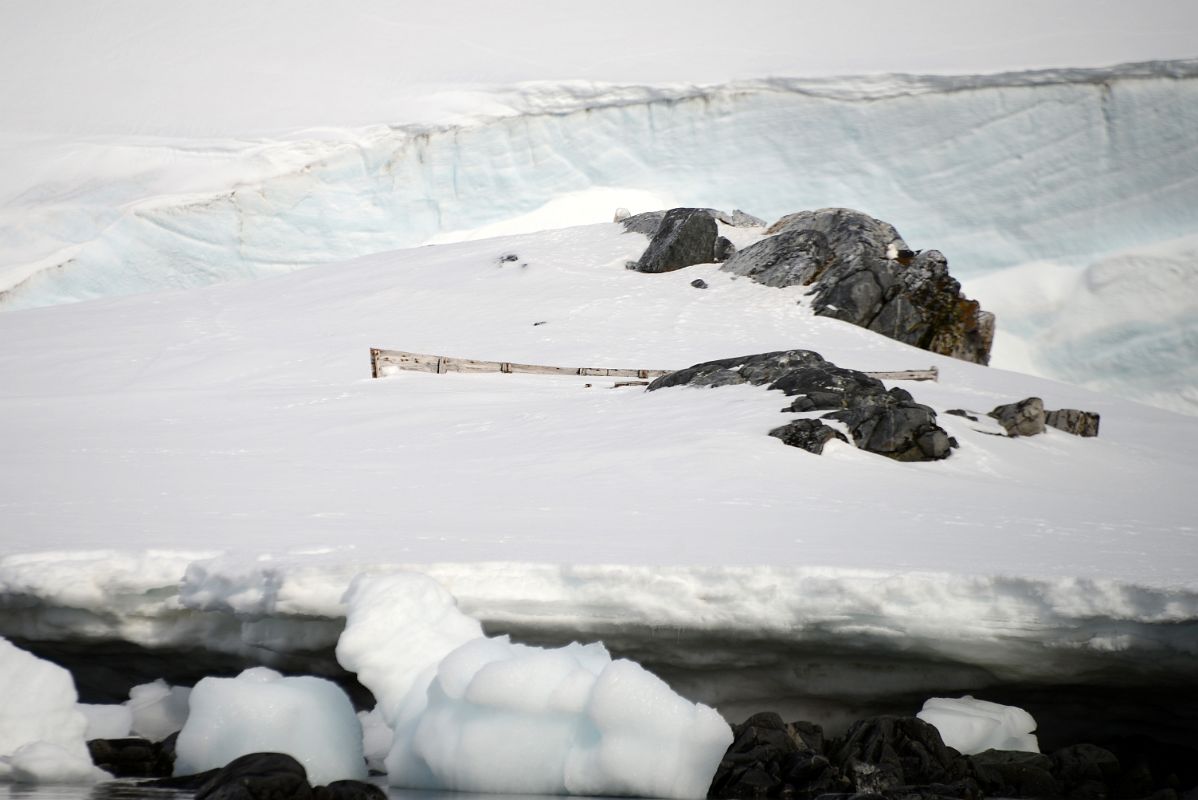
x=128, y=790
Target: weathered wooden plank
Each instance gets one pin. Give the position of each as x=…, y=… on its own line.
x=388, y=362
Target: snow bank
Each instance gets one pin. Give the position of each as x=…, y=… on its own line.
x=971, y=725
x=41, y=727
x=493, y=716
x=308, y=718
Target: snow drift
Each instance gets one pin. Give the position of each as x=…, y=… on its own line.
x=1065, y=166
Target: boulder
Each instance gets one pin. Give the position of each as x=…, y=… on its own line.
x=1086, y=771
x=699, y=283
x=348, y=790
x=1014, y=773
x=1025, y=418
x=685, y=236
x=883, y=754
x=724, y=249
x=258, y=776
x=902, y=430
x=132, y=757
x=1071, y=420
x=770, y=758
x=807, y=434
x=862, y=272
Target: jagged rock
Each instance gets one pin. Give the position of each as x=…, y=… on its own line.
x=864, y=273
x=739, y=219
x=790, y=258
x=960, y=412
x=902, y=430
x=1086, y=771
x=724, y=249
x=686, y=236
x=132, y=757
x=1071, y=420
x=699, y=283
x=1010, y=773
x=770, y=758
x=1025, y=418
x=882, y=754
x=807, y=434
x=889, y=423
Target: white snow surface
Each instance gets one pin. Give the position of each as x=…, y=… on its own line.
x=231, y=447
x=997, y=171
x=489, y=715
x=308, y=718
x=972, y=726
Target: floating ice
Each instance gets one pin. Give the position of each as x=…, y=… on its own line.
x=41, y=728
x=309, y=718
x=493, y=716
x=106, y=721
x=158, y=710
x=971, y=725
x=47, y=762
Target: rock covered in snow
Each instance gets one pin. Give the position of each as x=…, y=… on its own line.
x=309, y=718
x=971, y=726
x=887, y=422
x=863, y=272
x=41, y=727
x=494, y=716
x=1072, y=420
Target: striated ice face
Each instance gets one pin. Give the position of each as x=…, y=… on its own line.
x=494, y=716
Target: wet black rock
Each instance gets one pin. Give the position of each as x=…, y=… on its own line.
x=265, y=776
x=348, y=790
x=885, y=754
x=1008, y=773
x=1071, y=420
x=771, y=758
x=887, y=422
x=861, y=271
x=685, y=236
x=132, y=757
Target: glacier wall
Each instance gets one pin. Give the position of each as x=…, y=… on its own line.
x=1061, y=167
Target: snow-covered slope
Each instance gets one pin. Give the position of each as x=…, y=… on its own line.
x=146, y=436
x=1061, y=166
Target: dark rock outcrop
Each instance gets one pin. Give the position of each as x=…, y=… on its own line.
x=724, y=249
x=1009, y=773
x=685, y=236
x=771, y=758
x=1086, y=771
x=265, y=776
x=132, y=757
x=885, y=754
x=862, y=272
x=887, y=422
x=1071, y=420
x=807, y=434
x=1025, y=418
